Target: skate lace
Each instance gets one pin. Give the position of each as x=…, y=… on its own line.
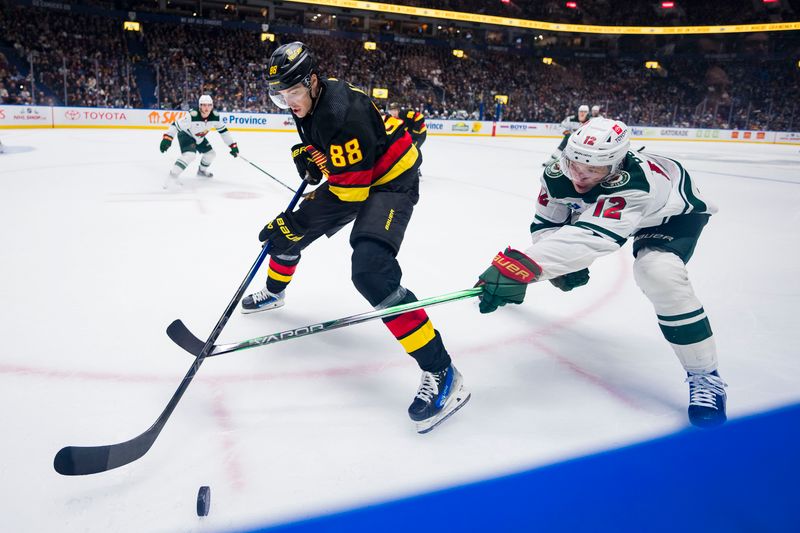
x=428, y=387
x=704, y=388
x=262, y=295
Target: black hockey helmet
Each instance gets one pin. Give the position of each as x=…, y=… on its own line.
x=394, y=105
x=289, y=65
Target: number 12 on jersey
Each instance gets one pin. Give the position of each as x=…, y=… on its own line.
x=615, y=205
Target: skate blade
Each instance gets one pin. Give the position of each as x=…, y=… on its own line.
x=173, y=185
x=265, y=308
x=461, y=398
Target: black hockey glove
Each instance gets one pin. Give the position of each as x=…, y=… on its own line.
x=283, y=232
x=567, y=282
x=506, y=279
x=166, y=142
x=310, y=163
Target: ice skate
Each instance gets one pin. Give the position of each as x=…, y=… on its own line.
x=262, y=301
x=706, y=399
x=204, y=173
x=440, y=395
x=172, y=182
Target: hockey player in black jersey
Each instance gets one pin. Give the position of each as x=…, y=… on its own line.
x=413, y=122
x=371, y=178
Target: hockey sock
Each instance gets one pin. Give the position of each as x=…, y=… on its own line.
x=280, y=272
x=415, y=332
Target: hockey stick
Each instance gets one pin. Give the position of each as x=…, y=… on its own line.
x=243, y=158
x=184, y=338
x=82, y=460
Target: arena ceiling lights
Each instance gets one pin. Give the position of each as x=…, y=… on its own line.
x=548, y=26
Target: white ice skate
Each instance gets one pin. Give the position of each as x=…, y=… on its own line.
x=173, y=182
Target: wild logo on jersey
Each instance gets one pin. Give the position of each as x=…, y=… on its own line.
x=553, y=170
x=620, y=180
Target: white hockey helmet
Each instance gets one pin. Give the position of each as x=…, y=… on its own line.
x=583, y=109
x=599, y=142
x=205, y=99
x=595, y=109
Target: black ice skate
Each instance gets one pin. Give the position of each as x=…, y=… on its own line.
x=261, y=301
x=440, y=395
x=204, y=173
x=706, y=399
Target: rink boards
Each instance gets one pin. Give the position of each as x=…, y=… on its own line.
x=12, y=116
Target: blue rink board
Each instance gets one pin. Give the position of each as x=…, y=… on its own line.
x=741, y=477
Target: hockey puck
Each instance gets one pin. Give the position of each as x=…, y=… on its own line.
x=203, y=501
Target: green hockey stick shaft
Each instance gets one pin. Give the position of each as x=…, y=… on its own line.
x=186, y=340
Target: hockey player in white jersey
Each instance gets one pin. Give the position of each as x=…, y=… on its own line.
x=570, y=125
x=596, y=197
x=191, y=131
x=595, y=112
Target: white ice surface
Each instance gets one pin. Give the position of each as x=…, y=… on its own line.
x=97, y=260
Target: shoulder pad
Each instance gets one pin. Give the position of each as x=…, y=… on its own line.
x=410, y=114
x=193, y=112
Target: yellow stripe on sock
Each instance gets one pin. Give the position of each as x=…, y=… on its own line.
x=419, y=338
x=279, y=277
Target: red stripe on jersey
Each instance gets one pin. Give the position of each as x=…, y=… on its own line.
x=404, y=323
x=356, y=177
x=282, y=269
x=392, y=155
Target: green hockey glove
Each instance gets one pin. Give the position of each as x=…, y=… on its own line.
x=166, y=142
x=567, y=282
x=506, y=279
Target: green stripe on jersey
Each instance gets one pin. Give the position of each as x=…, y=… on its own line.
x=688, y=194
x=540, y=223
x=684, y=316
x=601, y=231
x=687, y=334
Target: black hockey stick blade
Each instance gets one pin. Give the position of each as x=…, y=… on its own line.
x=180, y=335
x=85, y=460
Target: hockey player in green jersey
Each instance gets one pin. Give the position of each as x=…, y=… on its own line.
x=371, y=178
x=191, y=131
x=596, y=197
x=570, y=125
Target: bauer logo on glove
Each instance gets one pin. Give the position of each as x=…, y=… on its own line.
x=284, y=229
x=506, y=279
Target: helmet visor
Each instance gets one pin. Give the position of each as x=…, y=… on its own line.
x=583, y=173
x=289, y=97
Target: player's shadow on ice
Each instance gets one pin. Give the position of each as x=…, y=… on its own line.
x=10, y=150
x=610, y=362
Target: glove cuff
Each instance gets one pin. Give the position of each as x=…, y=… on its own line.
x=167, y=137
x=516, y=266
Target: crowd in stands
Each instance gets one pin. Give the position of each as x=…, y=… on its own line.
x=604, y=12
x=13, y=86
x=188, y=60
x=85, y=54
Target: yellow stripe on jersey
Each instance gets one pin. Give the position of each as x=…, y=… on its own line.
x=403, y=164
x=350, y=194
